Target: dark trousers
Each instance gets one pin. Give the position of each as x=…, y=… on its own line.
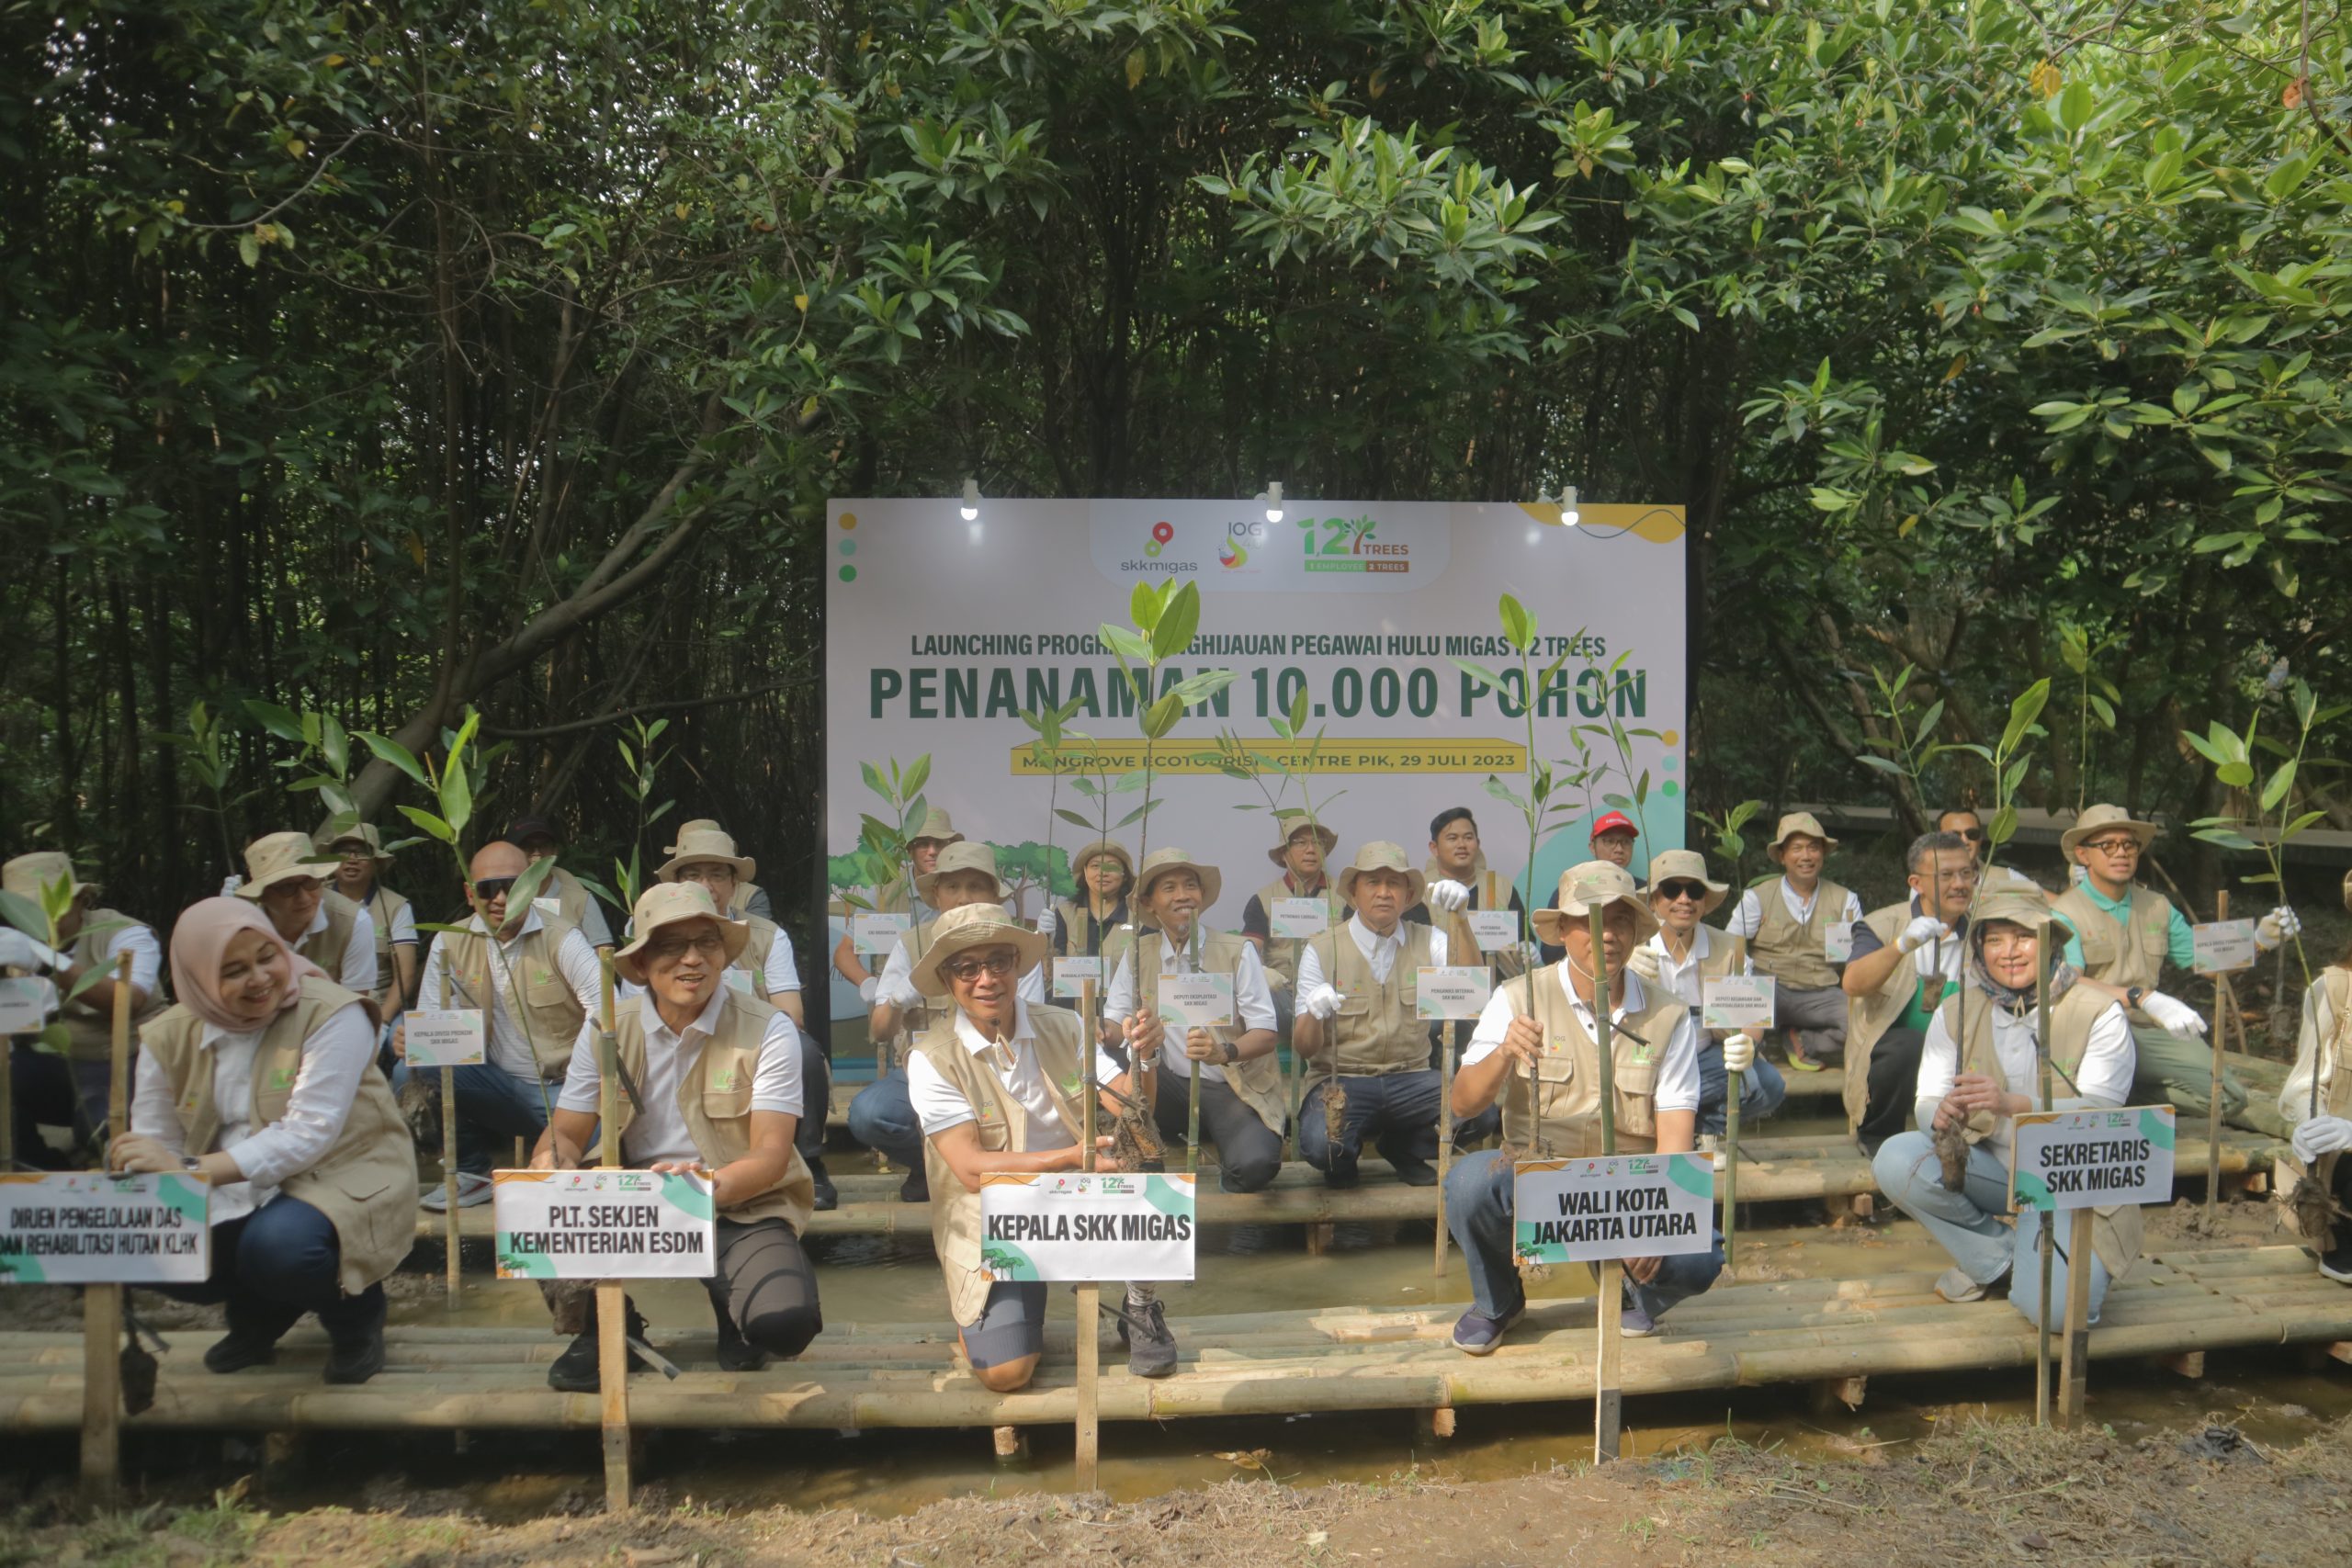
x=765, y=1282
x=1894, y=1087
x=816, y=1100
x=276, y=1263
x=494, y=1108
x=1248, y=1156
x=1396, y=1111
x=49, y=1090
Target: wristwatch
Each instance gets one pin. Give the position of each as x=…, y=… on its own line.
x=2132, y=997
x=1232, y=1052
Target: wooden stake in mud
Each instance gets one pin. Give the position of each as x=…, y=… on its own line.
x=102, y=1304
x=1445, y=1135
x=2075, y=1374
x=1609, y=1390
x=450, y=1174
x=2046, y=1237
x=612, y=1296
x=2214, y=1105
x=1090, y=1296
x=1734, y=1083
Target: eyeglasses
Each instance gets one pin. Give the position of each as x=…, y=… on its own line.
x=1674, y=892
x=2114, y=846
x=1973, y=835
x=710, y=944
x=491, y=887
x=969, y=970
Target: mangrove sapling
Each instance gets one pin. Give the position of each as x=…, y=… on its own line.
x=889, y=857
x=205, y=747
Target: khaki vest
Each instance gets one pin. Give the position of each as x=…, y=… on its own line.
x=1375, y=1029
x=2328, y=1063
x=1569, y=1075
x=738, y=905
x=715, y=1099
x=2121, y=954
x=1259, y=1081
x=1869, y=1018
x=1461, y=946
x=366, y=1183
x=571, y=896
x=1282, y=951
x=551, y=1015
x=955, y=1227
x=382, y=905
x=917, y=1021
x=754, y=961
x=326, y=948
x=1075, y=915
x=93, y=1035
x=1792, y=953
x=2116, y=1232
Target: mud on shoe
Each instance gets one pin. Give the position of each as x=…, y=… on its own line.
x=577, y=1370
x=1151, y=1349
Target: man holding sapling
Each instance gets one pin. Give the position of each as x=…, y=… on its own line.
x=535, y=980
x=1796, y=927
x=2122, y=934
x=1241, y=1079
x=537, y=838
x=1907, y=954
x=1456, y=874
x=1302, y=855
x=997, y=1083
x=285, y=875
x=881, y=1116
x=1358, y=1027
x=1681, y=957
x=934, y=835
x=1544, y=1027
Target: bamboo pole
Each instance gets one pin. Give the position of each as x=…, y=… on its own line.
x=102, y=1304
x=2214, y=1105
x=1609, y=1394
x=449, y=1175
x=1087, y=1334
x=2045, y=1235
x=612, y=1297
x=1445, y=1135
x=2077, y=1370
x=1733, y=1083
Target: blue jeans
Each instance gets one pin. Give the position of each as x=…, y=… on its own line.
x=1480, y=1197
x=1968, y=1224
x=1398, y=1109
x=276, y=1263
x=1760, y=1092
x=882, y=1117
x=492, y=1103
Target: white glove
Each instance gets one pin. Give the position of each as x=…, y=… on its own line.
x=2172, y=1016
x=1739, y=1053
x=229, y=884
x=2277, y=925
x=867, y=986
x=2322, y=1136
x=898, y=993
x=1643, y=962
x=1446, y=894
x=1322, y=1002
x=18, y=950
x=1048, y=925
x=1922, y=931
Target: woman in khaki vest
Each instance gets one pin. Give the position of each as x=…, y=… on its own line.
x=1977, y=1072
x=1544, y=1026
x=2322, y=1136
x=261, y=1082
x=1082, y=927
x=716, y=1076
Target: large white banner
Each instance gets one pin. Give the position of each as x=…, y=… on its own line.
x=940, y=632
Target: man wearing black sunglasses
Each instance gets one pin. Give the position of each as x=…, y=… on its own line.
x=1968, y=825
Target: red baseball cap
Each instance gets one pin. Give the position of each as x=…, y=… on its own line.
x=1615, y=822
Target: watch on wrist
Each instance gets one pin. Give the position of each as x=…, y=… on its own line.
x=191, y=1162
x=2132, y=997
x=1232, y=1052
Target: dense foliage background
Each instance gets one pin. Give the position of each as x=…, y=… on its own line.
x=389, y=359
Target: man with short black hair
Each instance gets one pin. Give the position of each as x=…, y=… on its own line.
x=537, y=838
x=1964, y=821
x=1457, y=874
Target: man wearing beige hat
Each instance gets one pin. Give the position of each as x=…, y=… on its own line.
x=1789, y=924
x=749, y=899
x=535, y=980
x=1907, y=954
x=1681, y=956
x=359, y=868
x=70, y=1090
x=1358, y=984
x=567, y=897
x=2123, y=933
x=710, y=1081
x=1303, y=856
x=1242, y=1100
x=933, y=835
x=1544, y=1028
x=285, y=874
x=998, y=1085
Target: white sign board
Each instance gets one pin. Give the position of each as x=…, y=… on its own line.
x=1195, y=1001
x=2223, y=947
x=1736, y=1001
x=1071, y=974
x=1077, y=1226
x=603, y=1224
x=939, y=633
x=23, y=1004
x=1454, y=990
x=2086, y=1159
x=871, y=933
x=1495, y=930
x=1299, y=918
x=85, y=1226
x=1587, y=1211
x=443, y=1037
x=1837, y=942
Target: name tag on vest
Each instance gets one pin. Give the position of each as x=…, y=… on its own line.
x=1299, y=918
x=1837, y=942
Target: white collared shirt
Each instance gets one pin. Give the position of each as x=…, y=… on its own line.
x=509, y=1049
x=1681, y=976
x=2104, y=1077
x=1380, y=951
x=1678, y=1069
x=940, y=1105
x=1748, y=919
x=1253, y=1003
x=334, y=1058
x=358, y=974
x=657, y=1132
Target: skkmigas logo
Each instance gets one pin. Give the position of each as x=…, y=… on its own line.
x=1349, y=544
x=1162, y=535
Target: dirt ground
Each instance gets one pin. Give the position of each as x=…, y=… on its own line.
x=1993, y=1493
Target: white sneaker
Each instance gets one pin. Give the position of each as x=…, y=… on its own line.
x=472, y=1190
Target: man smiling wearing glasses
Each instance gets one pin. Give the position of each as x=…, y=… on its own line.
x=1684, y=955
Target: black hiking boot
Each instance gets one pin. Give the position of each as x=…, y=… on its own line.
x=1143, y=1331
x=577, y=1369
x=356, y=1337
x=254, y=1330
x=828, y=1196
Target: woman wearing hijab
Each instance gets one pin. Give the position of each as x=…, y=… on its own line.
x=1979, y=1069
x=262, y=1081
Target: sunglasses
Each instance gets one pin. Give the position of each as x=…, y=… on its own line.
x=2116, y=846
x=491, y=887
x=971, y=969
x=1973, y=835
x=1674, y=891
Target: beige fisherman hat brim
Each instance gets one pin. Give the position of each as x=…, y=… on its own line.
x=937, y=826
x=27, y=874
x=1331, y=840
x=705, y=841
x=1380, y=855
x=2011, y=896
x=1797, y=822
x=2099, y=819
x=671, y=904
x=961, y=856
x=363, y=833
x=283, y=857
x=1159, y=863
x=1099, y=848
x=1667, y=866
x=1596, y=883
x=973, y=925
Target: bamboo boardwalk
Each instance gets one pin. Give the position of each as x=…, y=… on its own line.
x=2176, y=1306
x=1813, y=1165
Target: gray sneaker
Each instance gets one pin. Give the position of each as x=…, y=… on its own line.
x=1955, y=1286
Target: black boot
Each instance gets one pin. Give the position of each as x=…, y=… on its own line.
x=827, y=1196
x=577, y=1370
x=355, y=1337
x=254, y=1330
x=736, y=1354
x=1151, y=1348
x=916, y=1189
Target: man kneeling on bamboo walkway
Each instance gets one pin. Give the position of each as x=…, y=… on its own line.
x=997, y=1084
x=710, y=1082
x=1978, y=1070
x=2316, y=1107
x=1357, y=1019
x=1682, y=957
x=1543, y=1025
x=1241, y=1079
x=1907, y=954
x=1787, y=920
